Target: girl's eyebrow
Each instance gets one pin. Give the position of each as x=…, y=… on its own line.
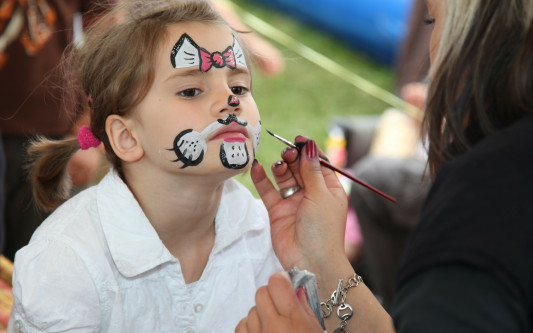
x=240, y=70
x=193, y=71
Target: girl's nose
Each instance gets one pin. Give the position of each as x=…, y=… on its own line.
x=233, y=101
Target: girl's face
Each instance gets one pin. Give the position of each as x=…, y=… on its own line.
x=437, y=14
x=199, y=116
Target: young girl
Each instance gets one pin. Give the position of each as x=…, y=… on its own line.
x=167, y=241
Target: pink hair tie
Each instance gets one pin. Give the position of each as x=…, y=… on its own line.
x=86, y=138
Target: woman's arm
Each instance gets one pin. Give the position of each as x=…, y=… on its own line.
x=308, y=232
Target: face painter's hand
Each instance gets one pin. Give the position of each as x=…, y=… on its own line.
x=279, y=309
x=308, y=227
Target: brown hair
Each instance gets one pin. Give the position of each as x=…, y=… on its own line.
x=480, y=75
x=115, y=66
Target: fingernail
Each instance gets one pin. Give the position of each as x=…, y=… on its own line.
x=311, y=150
x=255, y=162
x=286, y=150
x=301, y=293
x=277, y=164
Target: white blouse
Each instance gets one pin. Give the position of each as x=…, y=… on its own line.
x=97, y=265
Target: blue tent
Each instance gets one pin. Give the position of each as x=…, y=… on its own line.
x=376, y=27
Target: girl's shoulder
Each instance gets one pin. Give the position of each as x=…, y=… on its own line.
x=65, y=287
x=74, y=227
x=73, y=219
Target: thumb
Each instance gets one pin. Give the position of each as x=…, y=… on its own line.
x=312, y=177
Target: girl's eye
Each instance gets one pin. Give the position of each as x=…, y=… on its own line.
x=191, y=92
x=239, y=90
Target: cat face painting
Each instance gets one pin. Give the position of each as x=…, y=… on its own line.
x=200, y=103
x=190, y=146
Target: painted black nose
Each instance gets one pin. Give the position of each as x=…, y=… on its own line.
x=233, y=100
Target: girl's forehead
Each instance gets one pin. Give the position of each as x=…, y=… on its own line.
x=209, y=36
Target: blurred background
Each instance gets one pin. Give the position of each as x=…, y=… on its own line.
x=362, y=36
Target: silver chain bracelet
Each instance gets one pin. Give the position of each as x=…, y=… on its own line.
x=338, y=298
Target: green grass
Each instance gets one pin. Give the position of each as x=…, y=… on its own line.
x=304, y=99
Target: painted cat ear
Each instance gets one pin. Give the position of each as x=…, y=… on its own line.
x=185, y=53
x=238, y=53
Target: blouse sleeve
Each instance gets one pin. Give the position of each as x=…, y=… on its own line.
x=53, y=291
x=457, y=298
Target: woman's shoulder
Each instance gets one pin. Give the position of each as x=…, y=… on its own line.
x=478, y=211
x=506, y=146
x=488, y=187
x=499, y=162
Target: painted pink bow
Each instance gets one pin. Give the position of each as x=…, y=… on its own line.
x=217, y=59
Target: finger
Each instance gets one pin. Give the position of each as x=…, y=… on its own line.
x=282, y=293
x=265, y=307
x=291, y=156
x=264, y=186
x=241, y=327
x=312, y=176
x=330, y=176
x=253, y=322
x=282, y=175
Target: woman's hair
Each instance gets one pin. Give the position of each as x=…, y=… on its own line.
x=114, y=65
x=481, y=78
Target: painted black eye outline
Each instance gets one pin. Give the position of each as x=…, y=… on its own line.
x=239, y=90
x=189, y=92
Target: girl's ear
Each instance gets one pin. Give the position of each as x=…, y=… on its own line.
x=122, y=139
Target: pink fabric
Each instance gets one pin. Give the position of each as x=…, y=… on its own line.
x=86, y=138
x=353, y=230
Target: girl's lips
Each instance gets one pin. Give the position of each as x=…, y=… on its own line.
x=231, y=133
x=231, y=137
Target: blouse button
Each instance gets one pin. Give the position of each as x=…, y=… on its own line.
x=198, y=308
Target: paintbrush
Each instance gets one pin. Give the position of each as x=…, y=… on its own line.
x=334, y=168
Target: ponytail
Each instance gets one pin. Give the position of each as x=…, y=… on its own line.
x=48, y=161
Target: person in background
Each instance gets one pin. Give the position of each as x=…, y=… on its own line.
x=2, y=194
x=33, y=37
x=468, y=265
